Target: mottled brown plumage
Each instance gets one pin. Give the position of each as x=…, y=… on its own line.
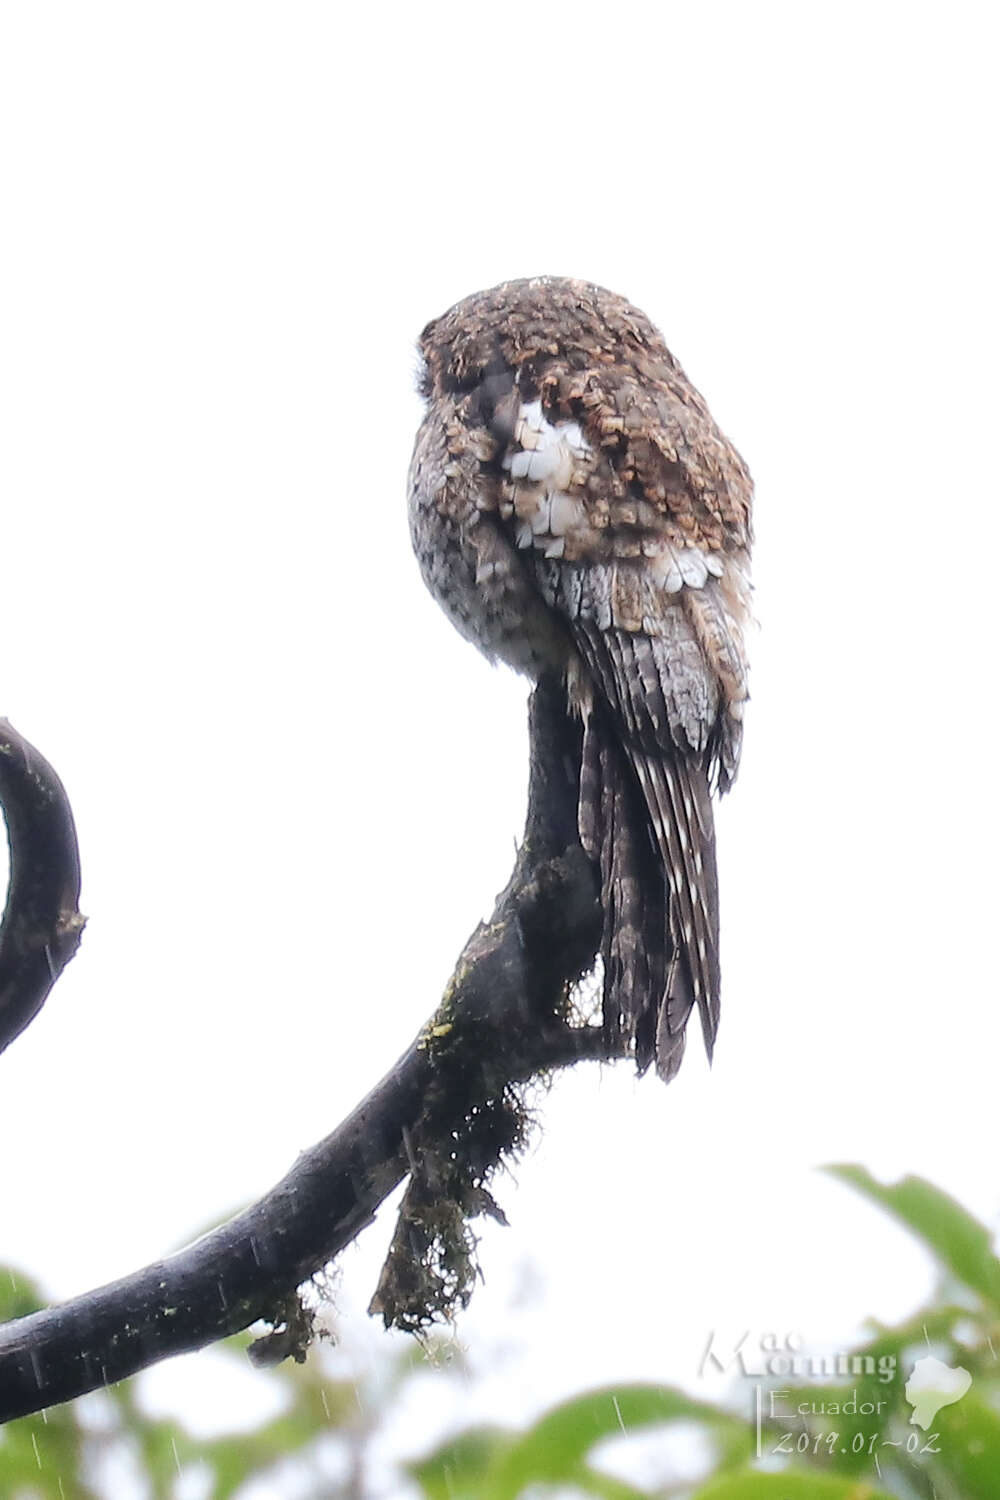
x=574, y=508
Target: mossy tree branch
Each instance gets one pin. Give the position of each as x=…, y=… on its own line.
x=444, y=1116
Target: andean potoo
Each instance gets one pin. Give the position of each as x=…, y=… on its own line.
x=574, y=508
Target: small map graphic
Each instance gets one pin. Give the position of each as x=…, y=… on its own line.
x=933, y=1384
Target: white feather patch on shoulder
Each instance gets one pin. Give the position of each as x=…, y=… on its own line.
x=541, y=465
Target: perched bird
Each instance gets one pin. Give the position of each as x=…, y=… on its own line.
x=574, y=508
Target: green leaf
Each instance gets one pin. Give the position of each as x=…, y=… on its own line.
x=555, y=1448
x=968, y=1437
x=42, y=1456
x=958, y=1240
x=494, y=1464
x=467, y=1469
x=235, y=1459
x=19, y=1295
x=458, y=1469
x=790, y=1485
x=606, y=1486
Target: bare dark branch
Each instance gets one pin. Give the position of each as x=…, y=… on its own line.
x=445, y=1115
x=41, y=924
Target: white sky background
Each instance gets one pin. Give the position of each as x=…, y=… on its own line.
x=297, y=789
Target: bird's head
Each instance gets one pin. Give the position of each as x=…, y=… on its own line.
x=517, y=327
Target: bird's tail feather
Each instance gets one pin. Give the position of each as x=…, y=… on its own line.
x=646, y=821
